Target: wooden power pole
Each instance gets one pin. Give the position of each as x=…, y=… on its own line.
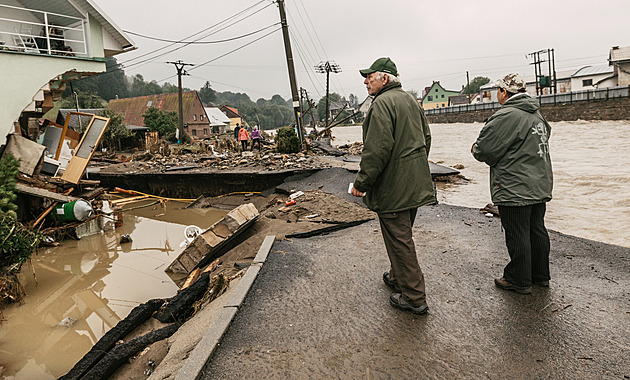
x=179, y=65
x=292, y=79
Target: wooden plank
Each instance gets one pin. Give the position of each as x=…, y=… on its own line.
x=43, y=193
x=211, y=243
x=84, y=151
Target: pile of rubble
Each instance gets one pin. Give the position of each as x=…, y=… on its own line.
x=227, y=160
x=353, y=149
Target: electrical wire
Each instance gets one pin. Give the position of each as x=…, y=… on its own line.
x=201, y=42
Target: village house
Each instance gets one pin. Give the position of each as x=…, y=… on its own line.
x=619, y=59
x=196, y=122
x=436, y=96
x=233, y=114
x=590, y=77
x=43, y=46
x=219, y=122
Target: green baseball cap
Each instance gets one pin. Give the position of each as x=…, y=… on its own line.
x=384, y=64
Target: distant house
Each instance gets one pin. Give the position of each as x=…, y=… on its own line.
x=588, y=77
x=457, y=100
x=619, y=59
x=436, y=96
x=232, y=113
x=196, y=123
x=219, y=122
x=43, y=46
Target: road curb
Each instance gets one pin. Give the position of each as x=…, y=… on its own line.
x=211, y=339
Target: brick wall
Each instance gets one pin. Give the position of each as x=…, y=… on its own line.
x=614, y=109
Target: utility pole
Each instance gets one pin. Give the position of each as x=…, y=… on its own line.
x=179, y=65
x=549, y=80
x=292, y=80
x=327, y=67
x=468, y=85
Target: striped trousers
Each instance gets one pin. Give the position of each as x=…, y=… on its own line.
x=527, y=243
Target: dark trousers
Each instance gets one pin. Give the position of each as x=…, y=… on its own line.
x=397, y=234
x=527, y=242
x=254, y=142
x=244, y=145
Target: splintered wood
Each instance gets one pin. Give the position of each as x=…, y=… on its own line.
x=209, y=244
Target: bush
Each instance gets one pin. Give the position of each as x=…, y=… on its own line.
x=8, y=171
x=287, y=140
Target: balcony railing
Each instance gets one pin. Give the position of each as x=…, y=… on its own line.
x=32, y=31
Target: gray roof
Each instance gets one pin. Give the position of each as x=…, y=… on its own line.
x=593, y=70
x=216, y=116
x=619, y=54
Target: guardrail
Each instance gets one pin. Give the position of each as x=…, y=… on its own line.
x=618, y=92
x=58, y=34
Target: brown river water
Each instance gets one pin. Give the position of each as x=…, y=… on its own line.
x=85, y=287
x=591, y=162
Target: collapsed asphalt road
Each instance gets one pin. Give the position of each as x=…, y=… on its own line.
x=320, y=309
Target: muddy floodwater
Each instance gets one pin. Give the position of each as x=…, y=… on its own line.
x=83, y=288
x=591, y=163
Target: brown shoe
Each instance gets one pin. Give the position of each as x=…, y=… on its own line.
x=396, y=300
x=505, y=285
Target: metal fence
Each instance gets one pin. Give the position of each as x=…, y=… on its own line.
x=32, y=31
x=618, y=92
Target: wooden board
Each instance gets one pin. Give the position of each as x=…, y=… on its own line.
x=43, y=193
x=91, y=138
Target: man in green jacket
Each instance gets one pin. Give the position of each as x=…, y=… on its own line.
x=514, y=143
x=394, y=178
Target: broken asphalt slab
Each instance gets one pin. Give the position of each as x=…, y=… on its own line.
x=320, y=309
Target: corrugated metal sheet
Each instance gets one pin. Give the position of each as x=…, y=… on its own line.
x=216, y=117
x=133, y=108
x=593, y=70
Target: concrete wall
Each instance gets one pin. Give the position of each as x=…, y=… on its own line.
x=23, y=75
x=615, y=109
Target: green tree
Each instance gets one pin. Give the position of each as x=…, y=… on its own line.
x=277, y=99
x=163, y=122
x=107, y=85
x=207, y=94
x=116, y=131
x=321, y=105
x=86, y=100
x=475, y=85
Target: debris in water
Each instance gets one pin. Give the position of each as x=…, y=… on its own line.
x=67, y=322
x=126, y=238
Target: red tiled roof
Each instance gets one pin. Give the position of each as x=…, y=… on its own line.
x=133, y=108
x=231, y=112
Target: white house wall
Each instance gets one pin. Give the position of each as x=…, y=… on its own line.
x=23, y=75
x=576, y=83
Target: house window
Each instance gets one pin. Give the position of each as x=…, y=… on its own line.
x=587, y=82
x=430, y=98
x=442, y=95
x=195, y=117
x=149, y=103
x=436, y=90
x=194, y=132
x=205, y=131
x=201, y=117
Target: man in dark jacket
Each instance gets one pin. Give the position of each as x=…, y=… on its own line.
x=514, y=143
x=394, y=178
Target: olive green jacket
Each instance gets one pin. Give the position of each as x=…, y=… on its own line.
x=394, y=170
x=514, y=143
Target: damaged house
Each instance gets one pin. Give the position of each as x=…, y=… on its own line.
x=43, y=46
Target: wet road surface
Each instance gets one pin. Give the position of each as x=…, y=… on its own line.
x=319, y=309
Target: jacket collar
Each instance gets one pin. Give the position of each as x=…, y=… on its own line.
x=387, y=87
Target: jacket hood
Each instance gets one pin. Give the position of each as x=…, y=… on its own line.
x=523, y=102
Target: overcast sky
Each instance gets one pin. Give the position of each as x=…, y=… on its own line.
x=437, y=40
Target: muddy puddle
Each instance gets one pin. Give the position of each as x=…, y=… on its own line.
x=83, y=288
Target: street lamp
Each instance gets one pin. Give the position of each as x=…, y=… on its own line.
x=327, y=67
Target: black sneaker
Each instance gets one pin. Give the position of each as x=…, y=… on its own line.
x=397, y=301
x=542, y=284
x=506, y=285
x=393, y=285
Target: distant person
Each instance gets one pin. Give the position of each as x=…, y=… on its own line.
x=236, y=130
x=256, y=137
x=514, y=143
x=394, y=178
x=243, y=136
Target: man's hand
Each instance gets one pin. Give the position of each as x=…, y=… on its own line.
x=356, y=192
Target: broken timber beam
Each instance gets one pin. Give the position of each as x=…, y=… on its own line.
x=209, y=244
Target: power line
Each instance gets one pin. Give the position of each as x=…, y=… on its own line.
x=201, y=42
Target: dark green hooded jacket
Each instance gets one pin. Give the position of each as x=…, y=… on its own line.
x=514, y=143
x=394, y=169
